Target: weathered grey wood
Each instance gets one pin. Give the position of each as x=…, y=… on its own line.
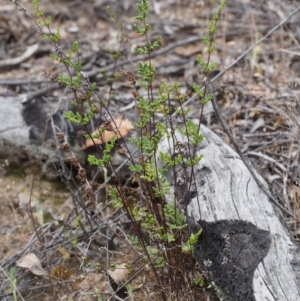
x=26, y=134
x=226, y=191
x=24, y=128
x=12, y=125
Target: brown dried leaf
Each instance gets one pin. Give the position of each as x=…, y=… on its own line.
x=120, y=274
x=124, y=127
x=88, y=283
x=31, y=262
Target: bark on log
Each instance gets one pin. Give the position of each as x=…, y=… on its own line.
x=245, y=245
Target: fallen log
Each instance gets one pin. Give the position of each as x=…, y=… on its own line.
x=245, y=245
x=26, y=134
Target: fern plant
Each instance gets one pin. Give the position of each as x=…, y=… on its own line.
x=163, y=219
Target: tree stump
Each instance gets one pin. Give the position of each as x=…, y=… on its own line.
x=245, y=245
